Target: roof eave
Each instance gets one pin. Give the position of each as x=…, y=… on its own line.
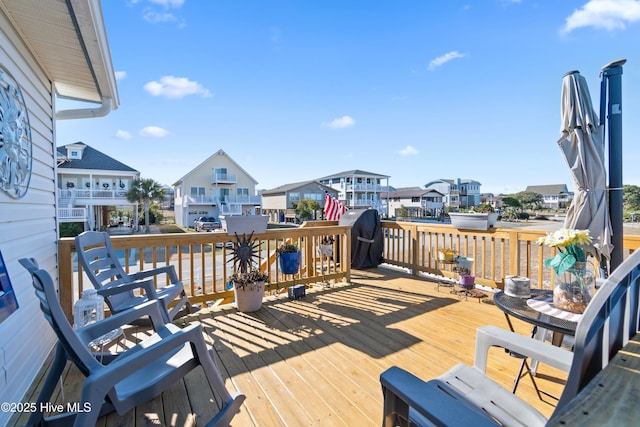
x=93, y=34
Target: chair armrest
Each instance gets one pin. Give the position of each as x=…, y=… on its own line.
x=433, y=401
x=140, y=356
x=146, y=285
x=493, y=336
x=97, y=329
x=165, y=269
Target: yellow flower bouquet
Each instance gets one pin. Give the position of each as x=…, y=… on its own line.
x=568, y=243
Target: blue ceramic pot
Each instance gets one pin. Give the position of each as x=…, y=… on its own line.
x=290, y=262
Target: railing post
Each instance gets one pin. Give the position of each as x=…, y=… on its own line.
x=415, y=251
x=346, y=254
x=514, y=253
x=65, y=274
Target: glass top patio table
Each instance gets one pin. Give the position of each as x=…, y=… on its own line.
x=518, y=308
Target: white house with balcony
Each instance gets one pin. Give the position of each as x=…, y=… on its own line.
x=419, y=202
x=358, y=189
x=458, y=193
x=48, y=50
x=217, y=186
x=554, y=196
x=89, y=184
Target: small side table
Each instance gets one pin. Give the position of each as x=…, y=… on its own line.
x=452, y=283
x=447, y=283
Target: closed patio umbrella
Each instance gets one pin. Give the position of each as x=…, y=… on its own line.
x=583, y=148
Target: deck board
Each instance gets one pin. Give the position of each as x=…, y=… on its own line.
x=317, y=361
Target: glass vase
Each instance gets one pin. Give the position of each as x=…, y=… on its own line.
x=574, y=288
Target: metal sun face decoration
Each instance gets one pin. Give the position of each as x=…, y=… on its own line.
x=243, y=252
x=15, y=138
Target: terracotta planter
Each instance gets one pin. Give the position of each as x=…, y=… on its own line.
x=289, y=262
x=249, y=297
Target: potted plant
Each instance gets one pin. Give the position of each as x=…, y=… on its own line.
x=289, y=258
x=244, y=224
x=248, y=281
x=248, y=288
x=481, y=218
x=463, y=268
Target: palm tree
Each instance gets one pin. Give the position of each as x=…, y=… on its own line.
x=145, y=191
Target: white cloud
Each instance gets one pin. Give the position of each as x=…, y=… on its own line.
x=154, y=132
x=441, y=60
x=409, y=150
x=176, y=87
x=123, y=134
x=121, y=75
x=340, y=123
x=168, y=3
x=153, y=16
x=156, y=18
x=609, y=15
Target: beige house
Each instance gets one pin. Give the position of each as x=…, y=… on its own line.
x=217, y=186
x=279, y=203
x=48, y=50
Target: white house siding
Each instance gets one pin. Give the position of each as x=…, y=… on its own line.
x=27, y=228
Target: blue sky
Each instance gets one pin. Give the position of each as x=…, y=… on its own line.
x=414, y=89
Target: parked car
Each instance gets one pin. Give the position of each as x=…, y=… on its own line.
x=206, y=223
x=229, y=245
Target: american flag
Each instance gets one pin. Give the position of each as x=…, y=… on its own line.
x=333, y=208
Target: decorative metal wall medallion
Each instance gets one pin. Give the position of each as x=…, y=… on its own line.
x=15, y=138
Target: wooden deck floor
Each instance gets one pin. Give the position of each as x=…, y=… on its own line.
x=317, y=361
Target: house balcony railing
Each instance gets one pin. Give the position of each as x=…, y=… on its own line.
x=497, y=253
x=88, y=196
x=208, y=200
x=431, y=205
x=72, y=215
x=243, y=200
x=365, y=202
x=224, y=178
x=231, y=209
x=199, y=200
x=364, y=187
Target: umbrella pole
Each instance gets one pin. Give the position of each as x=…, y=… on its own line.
x=612, y=75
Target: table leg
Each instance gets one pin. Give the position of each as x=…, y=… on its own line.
x=556, y=339
x=524, y=363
